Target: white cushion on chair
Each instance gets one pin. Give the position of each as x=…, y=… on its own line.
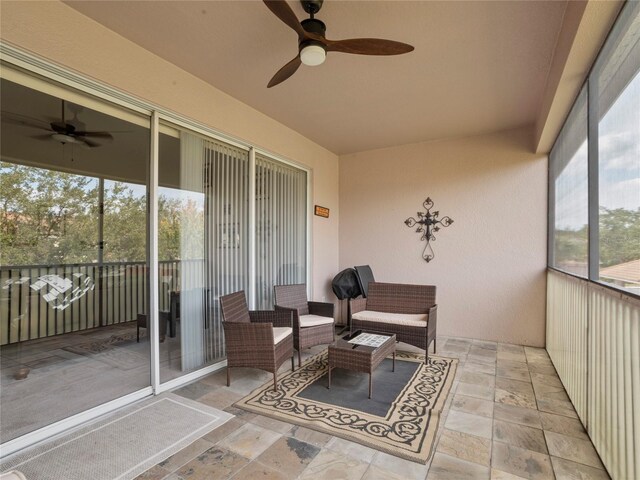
x=314, y=320
x=406, y=319
x=280, y=333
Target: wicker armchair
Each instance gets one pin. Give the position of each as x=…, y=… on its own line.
x=313, y=322
x=408, y=311
x=258, y=339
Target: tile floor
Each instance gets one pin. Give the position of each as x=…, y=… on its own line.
x=507, y=418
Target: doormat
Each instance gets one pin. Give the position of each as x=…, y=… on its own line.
x=401, y=423
x=121, y=446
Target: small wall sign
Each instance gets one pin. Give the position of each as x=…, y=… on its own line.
x=322, y=211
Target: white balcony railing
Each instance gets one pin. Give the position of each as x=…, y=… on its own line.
x=593, y=339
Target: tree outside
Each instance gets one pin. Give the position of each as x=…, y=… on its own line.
x=619, y=240
x=51, y=218
x=46, y=217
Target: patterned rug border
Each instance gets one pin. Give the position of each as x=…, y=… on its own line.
x=290, y=385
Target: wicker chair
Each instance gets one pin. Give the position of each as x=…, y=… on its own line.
x=313, y=322
x=257, y=339
x=408, y=311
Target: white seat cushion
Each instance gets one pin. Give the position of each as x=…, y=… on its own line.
x=409, y=320
x=280, y=333
x=314, y=320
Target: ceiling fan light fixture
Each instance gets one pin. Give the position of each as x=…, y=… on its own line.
x=313, y=54
x=63, y=138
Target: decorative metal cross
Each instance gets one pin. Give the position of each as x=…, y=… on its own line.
x=428, y=224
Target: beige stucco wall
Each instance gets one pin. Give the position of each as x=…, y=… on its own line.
x=62, y=35
x=489, y=267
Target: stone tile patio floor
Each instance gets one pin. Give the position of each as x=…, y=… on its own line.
x=507, y=417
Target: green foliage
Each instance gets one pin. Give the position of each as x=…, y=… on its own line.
x=619, y=236
x=176, y=218
x=125, y=224
x=45, y=216
x=168, y=228
x=572, y=245
x=49, y=218
x=619, y=239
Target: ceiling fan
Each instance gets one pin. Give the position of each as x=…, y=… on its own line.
x=61, y=131
x=313, y=45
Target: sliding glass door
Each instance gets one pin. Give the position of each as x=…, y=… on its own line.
x=73, y=255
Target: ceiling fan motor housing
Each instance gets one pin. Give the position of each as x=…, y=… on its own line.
x=313, y=25
x=64, y=128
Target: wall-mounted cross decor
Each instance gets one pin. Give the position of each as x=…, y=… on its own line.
x=428, y=224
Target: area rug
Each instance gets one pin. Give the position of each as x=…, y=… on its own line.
x=122, y=445
x=403, y=423
x=116, y=351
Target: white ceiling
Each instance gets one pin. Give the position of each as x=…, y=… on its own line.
x=477, y=67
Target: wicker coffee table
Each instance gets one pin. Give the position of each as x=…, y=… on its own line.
x=360, y=358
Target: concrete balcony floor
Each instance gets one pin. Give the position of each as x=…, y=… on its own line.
x=507, y=417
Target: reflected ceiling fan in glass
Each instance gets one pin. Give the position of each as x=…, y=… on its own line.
x=61, y=131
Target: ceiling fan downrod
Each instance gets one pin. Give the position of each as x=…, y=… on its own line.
x=311, y=6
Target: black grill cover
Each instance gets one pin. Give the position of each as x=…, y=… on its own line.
x=365, y=276
x=345, y=284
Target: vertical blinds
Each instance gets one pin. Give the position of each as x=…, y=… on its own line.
x=214, y=247
x=227, y=219
x=281, y=224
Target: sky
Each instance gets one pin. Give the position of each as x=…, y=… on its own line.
x=619, y=164
x=171, y=193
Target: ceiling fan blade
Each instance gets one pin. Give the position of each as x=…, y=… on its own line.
x=282, y=10
x=285, y=72
x=90, y=143
x=101, y=135
x=44, y=138
x=24, y=121
x=368, y=46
